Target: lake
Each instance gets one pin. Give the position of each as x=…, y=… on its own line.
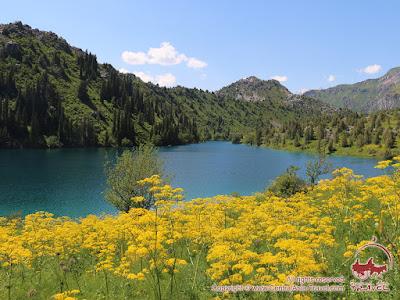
x=69, y=181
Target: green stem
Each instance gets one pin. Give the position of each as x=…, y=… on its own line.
x=172, y=280
x=155, y=256
x=77, y=281
x=105, y=277
x=197, y=267
x=65, y=280
x=9, y=282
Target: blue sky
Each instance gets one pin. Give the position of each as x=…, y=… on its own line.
x=210, y=44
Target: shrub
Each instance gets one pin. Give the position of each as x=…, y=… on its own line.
x=288, y=183
x=387, y=154
x=126, y=142
x=53, y=142
x=236, y=139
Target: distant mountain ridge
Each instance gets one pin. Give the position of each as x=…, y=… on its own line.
x=366, y=96
x=53, y=94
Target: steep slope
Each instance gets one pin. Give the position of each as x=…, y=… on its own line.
x=53, y=94
x=367, y=96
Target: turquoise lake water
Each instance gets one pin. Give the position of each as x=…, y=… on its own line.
x=68, y=181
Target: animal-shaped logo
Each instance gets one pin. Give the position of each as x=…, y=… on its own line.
x=363, y=271
x=370, y=269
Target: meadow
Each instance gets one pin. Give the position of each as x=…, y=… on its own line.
x=206, y=248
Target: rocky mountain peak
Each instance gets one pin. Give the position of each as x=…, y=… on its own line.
x=254, y=89
x=20, y=30
x=251, y=79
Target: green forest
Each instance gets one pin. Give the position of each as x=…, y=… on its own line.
x=373, y=135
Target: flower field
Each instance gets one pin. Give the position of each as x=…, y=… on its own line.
x=181, y=250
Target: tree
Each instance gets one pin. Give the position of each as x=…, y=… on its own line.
x=320, y=132
x=258, y=137
x=122, y=177
x=236, y=139
x=82, y=92
x=250, y=138
x=331, y=148
x=288, y=183
x=296, y=141
x=316, y=166
x=375, y=138
x=388, y=138
x=307, y=135
x=343, y=140
x=360, y=141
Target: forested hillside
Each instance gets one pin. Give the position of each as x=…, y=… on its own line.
x=53, y=94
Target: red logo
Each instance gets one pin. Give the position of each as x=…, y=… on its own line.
x=370, y=270
x=363, y=271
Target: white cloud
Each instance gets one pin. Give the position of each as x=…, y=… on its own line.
x=166, y=79
x=331, y=78
x=301, y=91
x=196, y=64
x=166, y=55
x=280, y=78
x=203, y=76
x=124, y=71
x=132, y=58
x=372, y=69
x=145, y=77
x=163, y=80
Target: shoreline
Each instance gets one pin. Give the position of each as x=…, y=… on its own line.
x=346, y=152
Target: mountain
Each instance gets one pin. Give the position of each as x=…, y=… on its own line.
x=273, y=93
x=254, y=89
x=367, y=96
x=53, y=94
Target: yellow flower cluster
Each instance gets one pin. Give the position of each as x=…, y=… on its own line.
x=66, y=295
x=251, y=240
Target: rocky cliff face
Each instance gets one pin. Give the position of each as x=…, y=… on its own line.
x=367, y=96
